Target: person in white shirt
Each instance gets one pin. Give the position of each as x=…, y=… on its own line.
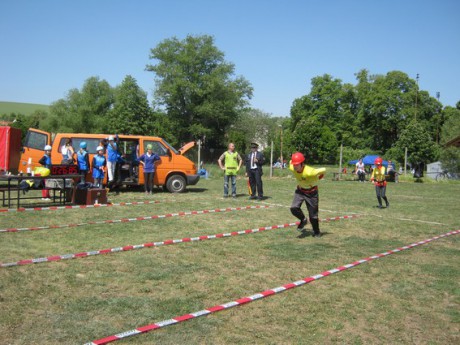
x=360, y=170
x=67, y=152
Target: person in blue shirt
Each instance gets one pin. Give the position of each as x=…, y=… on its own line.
x=148, y=160
x=98, y=165
x=83, y=161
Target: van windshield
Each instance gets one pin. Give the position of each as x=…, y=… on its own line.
x=170, y=147
x=35, y=140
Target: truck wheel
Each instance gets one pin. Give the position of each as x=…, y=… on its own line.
x=176, y=184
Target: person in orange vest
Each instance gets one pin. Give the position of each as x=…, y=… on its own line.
x=307, y=190
x=378, y=178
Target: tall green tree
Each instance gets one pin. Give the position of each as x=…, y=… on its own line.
x=84, y=110
x=198, y=88
x=450, y=156
x=131, y=113
x=254, y=126
x=420, y=146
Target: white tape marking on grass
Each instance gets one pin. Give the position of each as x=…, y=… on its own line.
x=156, y=244
x=128, y=220
x=257, y=296
x=78, y=207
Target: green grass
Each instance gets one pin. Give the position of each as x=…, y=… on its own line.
x=410, y=297
x=20, y=108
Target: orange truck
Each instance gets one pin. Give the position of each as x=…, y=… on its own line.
x=174, y=171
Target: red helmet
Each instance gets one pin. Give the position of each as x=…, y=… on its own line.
x=297, y=158
x=378, y=161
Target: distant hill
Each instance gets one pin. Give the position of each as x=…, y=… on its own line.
x=20, y=108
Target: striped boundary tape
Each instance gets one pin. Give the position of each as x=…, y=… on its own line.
x=73, y=207
x=127, y=220
x=156, y=244
x=257, y=296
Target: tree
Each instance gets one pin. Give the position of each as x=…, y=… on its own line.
x=82, y=111
x=315, y=140
x=316, y=120
x=420, y=147
x=24, y=122
x=451, y=126
x=450, y=156
x=131, y=113
x=253, y=126
x=197, y=88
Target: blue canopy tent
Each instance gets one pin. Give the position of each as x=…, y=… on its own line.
x=368, y=160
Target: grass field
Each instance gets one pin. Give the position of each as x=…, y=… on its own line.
x=20, y=108
x=412, y=297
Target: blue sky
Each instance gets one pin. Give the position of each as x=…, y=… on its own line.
x=51, y=46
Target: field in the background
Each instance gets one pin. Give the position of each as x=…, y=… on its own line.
x=411, y=297
x=20, y=108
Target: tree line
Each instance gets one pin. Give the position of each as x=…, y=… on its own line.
x=198, y=97
x=381, y=114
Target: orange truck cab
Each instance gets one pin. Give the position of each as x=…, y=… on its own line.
x=174, y=171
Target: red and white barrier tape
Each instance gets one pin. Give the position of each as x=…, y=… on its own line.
x=73, y=207
x=156, y=244
x=127, y=220
x=257, y=296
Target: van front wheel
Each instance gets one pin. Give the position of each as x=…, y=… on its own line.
x=176, y=184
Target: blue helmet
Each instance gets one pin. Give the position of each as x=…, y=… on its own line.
x=83, y=145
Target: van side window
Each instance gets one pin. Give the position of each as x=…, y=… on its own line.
x=157, y=148
x=92, y=144
x=35, y=140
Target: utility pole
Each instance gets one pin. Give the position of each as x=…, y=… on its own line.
x=438, y=95
x=199, y=154
x=281, y=144
x=271, y=160
x=405, y=161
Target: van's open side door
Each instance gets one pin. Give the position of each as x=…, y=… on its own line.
x=33, y=148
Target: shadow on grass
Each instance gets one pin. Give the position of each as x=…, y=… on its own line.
x=306, y=233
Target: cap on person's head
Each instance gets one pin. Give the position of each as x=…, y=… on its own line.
x=254, y=145
x=47, y=148
x=110, y=137
x=149, y=146
x=99, y=148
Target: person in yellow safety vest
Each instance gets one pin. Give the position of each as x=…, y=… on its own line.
x=231, y=166
x=307, y=190
x=378, y=177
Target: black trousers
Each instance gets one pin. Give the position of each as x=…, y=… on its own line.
x=255, y=181
x=148, y=181
x=361, y=175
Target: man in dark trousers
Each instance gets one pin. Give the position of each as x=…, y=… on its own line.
x=254, y=162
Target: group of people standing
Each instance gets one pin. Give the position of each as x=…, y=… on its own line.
x=107, y=158
x=230, y=162
x=307, y=179
x=307, y=182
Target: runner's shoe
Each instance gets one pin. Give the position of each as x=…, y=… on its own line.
x=302, y=225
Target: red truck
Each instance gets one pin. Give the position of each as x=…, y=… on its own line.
x=10, y=149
